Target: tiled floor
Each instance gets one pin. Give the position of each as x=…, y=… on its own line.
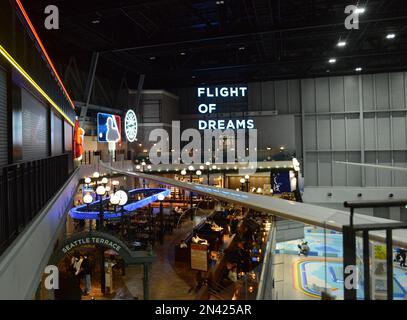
x=168, y=281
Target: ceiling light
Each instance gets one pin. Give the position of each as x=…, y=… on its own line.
x=183, y=53
x=341, y=43
x=332, y=60
x=390, y=36
x=360, y=10
x=358, y=69
x=242, y=48
x=96, y=21
x=152, y=58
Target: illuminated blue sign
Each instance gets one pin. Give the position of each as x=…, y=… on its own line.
x=109, y=127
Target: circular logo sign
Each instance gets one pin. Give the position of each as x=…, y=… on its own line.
x=130, y=126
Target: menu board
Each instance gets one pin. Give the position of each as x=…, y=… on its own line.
x=199, y=257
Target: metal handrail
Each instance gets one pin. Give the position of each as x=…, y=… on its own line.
x=268, y=264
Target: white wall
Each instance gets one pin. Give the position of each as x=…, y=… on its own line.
x=319, y=196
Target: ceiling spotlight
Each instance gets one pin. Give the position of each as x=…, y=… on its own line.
x=332, y=60
x=358, y=69
x=96, y=21
x=152, y=58
x=220, y=2
x=241, y=48
x=341, y=43
x=360, y=10
x=183, y=53
x=390, y=36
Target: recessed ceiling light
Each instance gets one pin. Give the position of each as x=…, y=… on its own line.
x=152, y=58
x=390, y=36
x=358, y=69
x=242, y=48
x=332, y=60
x=96, y=21
x=360, y=10
x=341, y=43
x=183, y=53
x=193, y=77
x=220, y=2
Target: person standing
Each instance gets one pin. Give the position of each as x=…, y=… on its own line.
x=402, y=258
x=77, y=266
x=87, y=275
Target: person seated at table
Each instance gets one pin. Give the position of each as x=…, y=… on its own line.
x=183, y=244
x=197, y=239
x=215, y=227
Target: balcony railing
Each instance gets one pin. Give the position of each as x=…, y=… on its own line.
x=25, y=188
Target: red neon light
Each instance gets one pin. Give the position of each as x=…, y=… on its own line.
x=27, y=19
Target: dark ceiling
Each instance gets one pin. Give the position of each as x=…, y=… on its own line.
x=179, y=43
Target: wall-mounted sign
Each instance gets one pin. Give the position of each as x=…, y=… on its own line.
x=109, y=127
x=282, y=182
x=207, y=95
x=130, y=126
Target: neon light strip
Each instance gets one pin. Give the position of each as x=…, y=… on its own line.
x=10, y=59
x=81, y=213
x=27, y=19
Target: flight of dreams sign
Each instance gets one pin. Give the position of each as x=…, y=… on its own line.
x=209, y=108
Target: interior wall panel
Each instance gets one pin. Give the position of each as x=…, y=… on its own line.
x=35, y=128
x=397, y=90
x=353, y=132
x=383, y=131
x=368, y=92
x=351, y=84
x=324, y=133
x=354, y=173
x=56, y=140
x=324, y=169
x=399, y=131
x=68, y=135
x=308, y=95
x=322, y=95
x=338, y=136
x=382, y=91
x=3, y=119
x=337, y=95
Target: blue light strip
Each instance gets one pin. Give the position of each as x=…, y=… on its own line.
x=80, y=212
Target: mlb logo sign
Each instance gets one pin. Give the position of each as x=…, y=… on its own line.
x=109, y=127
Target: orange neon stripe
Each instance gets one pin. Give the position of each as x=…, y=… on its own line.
x=44, y=51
